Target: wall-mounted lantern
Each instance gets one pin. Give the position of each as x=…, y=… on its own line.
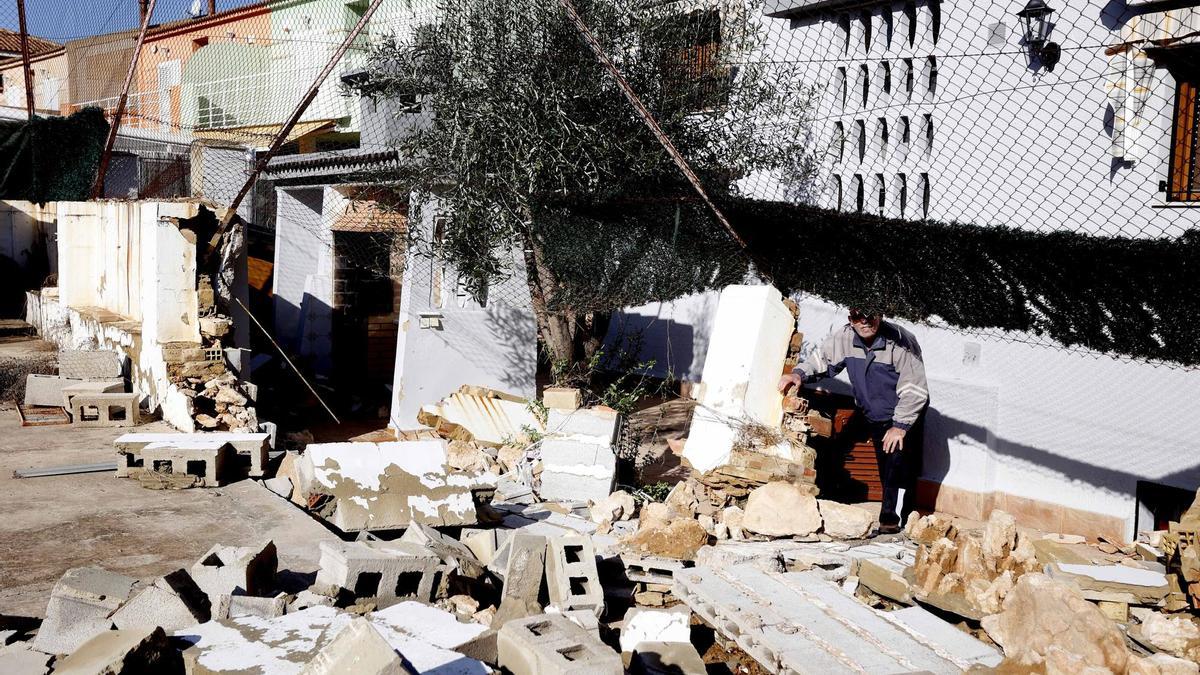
x=1036, y=18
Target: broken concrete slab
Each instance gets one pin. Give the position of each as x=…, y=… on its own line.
x=256, y=445
x=250, y=605
x=524, y=574
x=357, y=648
x=450, y=550
x=1145, y=585
x=886, y=577
x=761, y=611
x=572, y=579
x=46, y=390
x=90, y=364
x=377, y=486
x=136, y=650
x=781, y=510
x=21, y=659
x=172, y=602
x=104, y=410
x=845, y=521
x=746, y=352
x=655, y=625
x=551, y=644
x=485, y=416
x=381, y=572
x=236, y=570
x=79, y=608
x=666, y=658
x=280, y=485
x=947, y=637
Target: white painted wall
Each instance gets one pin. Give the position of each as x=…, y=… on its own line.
x=304, y=275
x=494, y=345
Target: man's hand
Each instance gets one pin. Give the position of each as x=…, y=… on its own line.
x=893, y=440
x=789, y=380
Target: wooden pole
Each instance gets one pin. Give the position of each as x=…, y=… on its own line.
x=25, y=58
x=98, y=187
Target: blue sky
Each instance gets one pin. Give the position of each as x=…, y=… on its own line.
x=62, y=20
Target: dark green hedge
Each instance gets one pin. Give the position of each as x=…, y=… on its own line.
x=51, y=158
x=1138, y=297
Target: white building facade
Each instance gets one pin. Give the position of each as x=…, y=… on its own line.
x=942, y=111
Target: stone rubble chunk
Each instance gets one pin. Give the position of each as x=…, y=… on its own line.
x=1176, y=635
x=79, y=608
x=172, y=602
x=655, y=625
x=929, y=528
x=617, y=506
x=120, y=652
x=781, y=510
x=357, y=649
x=1045, y=621
x=845, y=521
x=1163, y=664
x=679, y=539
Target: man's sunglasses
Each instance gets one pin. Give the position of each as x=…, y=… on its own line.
x=857, y=316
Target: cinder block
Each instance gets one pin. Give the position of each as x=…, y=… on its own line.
x=199, y=457
x=572, y=579
x=230, y=570
x=91, y=387
x=46, y=389
x=79, y=607
x=385, y=573
x=524, y=569
x=256, y=445
x=601, y=424
x=104, y=410
x=173, y=602
x=90, y=365
x=451, y=551
x=550, y=644
x=562, y=398
x=576, y=470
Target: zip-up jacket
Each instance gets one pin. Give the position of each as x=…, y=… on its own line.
x=888, y=377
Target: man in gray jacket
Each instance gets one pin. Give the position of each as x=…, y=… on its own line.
x=888, y=378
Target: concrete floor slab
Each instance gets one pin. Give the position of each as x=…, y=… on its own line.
x=55, y=523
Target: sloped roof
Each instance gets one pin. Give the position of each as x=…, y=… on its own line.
x=10, y=41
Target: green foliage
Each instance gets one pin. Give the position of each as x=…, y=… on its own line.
x=1131, y=296
x=617, y=378
x=52, y=158
x=657, y=492
x=529, y=127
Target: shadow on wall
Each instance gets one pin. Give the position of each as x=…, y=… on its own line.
x=940, y=429
x=670, y=344
x=515, y=333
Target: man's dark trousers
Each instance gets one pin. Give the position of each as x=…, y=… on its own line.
x=898, y=469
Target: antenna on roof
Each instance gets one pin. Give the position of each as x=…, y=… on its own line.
x=197, y=9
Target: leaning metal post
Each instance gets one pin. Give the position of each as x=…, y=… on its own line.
x=25, y=58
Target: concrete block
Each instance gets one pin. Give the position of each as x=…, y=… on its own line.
x=256, y=445
x=572, y=579
x=21, y=659
x=46, y=389
x=104, y=410
x=137, y=650
x=481, y=647
x=280, y=485
x=484, y=543
x=585, y=619
x=90, y=365
x=384, y=573
x=746, y=351
x=576, y=470
x=524, y=570
x=598, y=424
x=666, y=658
x=249, y=605
x=357, y=648
x=91, y=387
x=79, y=607
x=173, y=602
x=562, y=398
x=197, y=456
x=230, y=570
x=655, y=625
x=450, y=550
x=550, y=644
x=381, y=486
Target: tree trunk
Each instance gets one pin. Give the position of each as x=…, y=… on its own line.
x=556, y=328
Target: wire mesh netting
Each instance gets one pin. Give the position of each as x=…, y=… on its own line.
x=899, y=133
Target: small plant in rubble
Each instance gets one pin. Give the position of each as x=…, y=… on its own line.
x=755, y=436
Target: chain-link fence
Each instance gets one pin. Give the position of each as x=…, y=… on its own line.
x=1074, y=124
